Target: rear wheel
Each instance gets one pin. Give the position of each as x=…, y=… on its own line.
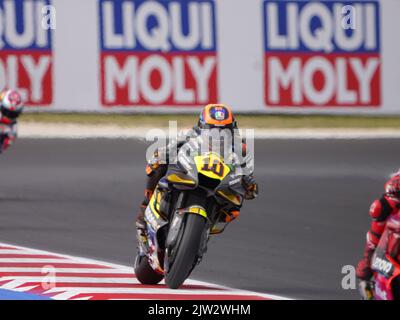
x=145, y=273
x=186, y=251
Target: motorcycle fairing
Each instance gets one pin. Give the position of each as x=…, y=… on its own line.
x=212, y=165
x=386, y=268
x=185, y=175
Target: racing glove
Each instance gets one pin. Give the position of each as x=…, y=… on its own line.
x=363, y=270
x=251, y=187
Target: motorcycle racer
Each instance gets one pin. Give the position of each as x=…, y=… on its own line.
x=380, y=210
x=11, y=107
x=213, y=116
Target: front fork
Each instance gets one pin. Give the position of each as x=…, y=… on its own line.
x=174, y=232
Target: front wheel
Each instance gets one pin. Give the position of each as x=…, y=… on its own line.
x=186, y=251
x=144, y=272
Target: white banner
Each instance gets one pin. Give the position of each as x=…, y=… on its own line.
x=178, y=55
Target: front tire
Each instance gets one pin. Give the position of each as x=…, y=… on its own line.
x=186, y=251
x=145, y=273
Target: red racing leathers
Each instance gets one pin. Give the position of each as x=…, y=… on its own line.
x=8, y=132
x=379, y=211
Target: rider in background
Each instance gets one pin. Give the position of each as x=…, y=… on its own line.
x=11, y=107
x=212, y=116
x=381, y=209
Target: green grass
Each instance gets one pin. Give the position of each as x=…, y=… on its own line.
x=244, y=121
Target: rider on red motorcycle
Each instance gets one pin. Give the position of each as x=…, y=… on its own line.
x=213, y=116
x=380, y=210
x=11, y=107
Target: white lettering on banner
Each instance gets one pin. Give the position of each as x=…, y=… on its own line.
x=26, y=51
x=31, y=35
x=158, y=53
x=9, y=75
x=202, y=75
x=330, y=31
x=156, y=38
x=120, y=77
x=182, y=94
x=299, y=78
x=344, y=94
x=313, y=66
x=155, y=95
x=311, y=60
x=279, y=77
x=35, y=72
x=169, y=29
x=136, y=77
x=364, y=76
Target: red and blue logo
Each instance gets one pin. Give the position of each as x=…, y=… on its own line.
x=26, y=50
x=322, y=53
x=158, y=53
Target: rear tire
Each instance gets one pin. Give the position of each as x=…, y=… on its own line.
x=145, y=273
x=187, y=250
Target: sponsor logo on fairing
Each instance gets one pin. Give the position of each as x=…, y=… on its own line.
x=383, y=266
x=313, y=59
x=159, y=53
x=26, y=50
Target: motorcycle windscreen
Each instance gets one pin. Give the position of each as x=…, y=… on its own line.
x=212, y=165
x=217, y=141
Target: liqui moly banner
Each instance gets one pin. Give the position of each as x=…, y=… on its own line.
x=268, y=56
x=158, y=53
x=26, y=50
x=324, y=53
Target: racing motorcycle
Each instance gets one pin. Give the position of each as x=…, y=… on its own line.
x=386, y=264
x=191, y=203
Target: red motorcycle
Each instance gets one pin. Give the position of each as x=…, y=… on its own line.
x=386, y=263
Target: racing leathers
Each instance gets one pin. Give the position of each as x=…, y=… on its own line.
x=379, y=211
x=8, y=132
x=158, y=164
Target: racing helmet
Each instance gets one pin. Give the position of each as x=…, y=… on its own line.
x=217, y=125
x=217, y=116
x=392, y=187
x=11, y=104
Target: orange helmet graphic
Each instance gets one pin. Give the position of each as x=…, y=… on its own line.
x=217, y=116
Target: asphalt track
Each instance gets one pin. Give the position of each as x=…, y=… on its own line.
x=79, y=197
